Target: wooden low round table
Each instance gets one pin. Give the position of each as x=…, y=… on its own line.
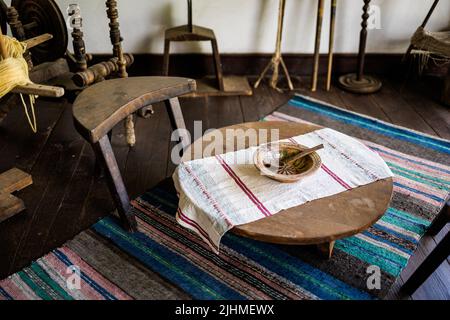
x=320, y=222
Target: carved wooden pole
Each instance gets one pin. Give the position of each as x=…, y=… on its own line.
x=79, y=47
x=363, y=39
x=116, y=40
x=360, y=83
x=18, y=31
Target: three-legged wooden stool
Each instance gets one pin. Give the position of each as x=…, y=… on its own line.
x=190, y=32
x=98, y=109
x=193, y=33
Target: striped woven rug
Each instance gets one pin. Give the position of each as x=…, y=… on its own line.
x=165, y=261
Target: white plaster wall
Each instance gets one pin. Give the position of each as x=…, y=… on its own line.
x=249, y=26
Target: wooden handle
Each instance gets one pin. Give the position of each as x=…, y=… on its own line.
x=14, y=180
x=33, y=42
x=3, y=50
x=305, y=153
x=40, y=90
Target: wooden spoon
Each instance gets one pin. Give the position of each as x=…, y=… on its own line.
x=303, y=154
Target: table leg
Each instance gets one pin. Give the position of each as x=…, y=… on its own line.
x=217, y=65
x=327, y=249
x=166, y=60
x=105, y=155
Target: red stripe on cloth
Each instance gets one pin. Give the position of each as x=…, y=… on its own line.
x=244, y=188
x=329, y=172
x=194, y=225
x=369, y=173
x=335, y=177
x=209, y=197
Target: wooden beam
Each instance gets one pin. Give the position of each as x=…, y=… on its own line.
x=9, y=206
x=40, y=90
x=12, y=181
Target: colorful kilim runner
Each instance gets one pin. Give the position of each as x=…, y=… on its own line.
x=166, y=261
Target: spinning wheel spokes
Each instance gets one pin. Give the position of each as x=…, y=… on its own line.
x=39, y=17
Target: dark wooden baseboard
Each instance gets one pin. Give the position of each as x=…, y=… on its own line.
x=198, y=65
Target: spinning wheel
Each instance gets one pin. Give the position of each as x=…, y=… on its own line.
x=22, y=76
x=39, y=17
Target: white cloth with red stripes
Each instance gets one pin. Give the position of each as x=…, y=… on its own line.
x=218, y=193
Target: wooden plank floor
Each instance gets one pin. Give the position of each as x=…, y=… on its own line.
x=66, y=198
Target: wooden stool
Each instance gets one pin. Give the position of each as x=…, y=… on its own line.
x=193, y=33
x=190, y=32
x=219, y=86
x=98, y=109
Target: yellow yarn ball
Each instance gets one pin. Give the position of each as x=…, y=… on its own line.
x=14, y=72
